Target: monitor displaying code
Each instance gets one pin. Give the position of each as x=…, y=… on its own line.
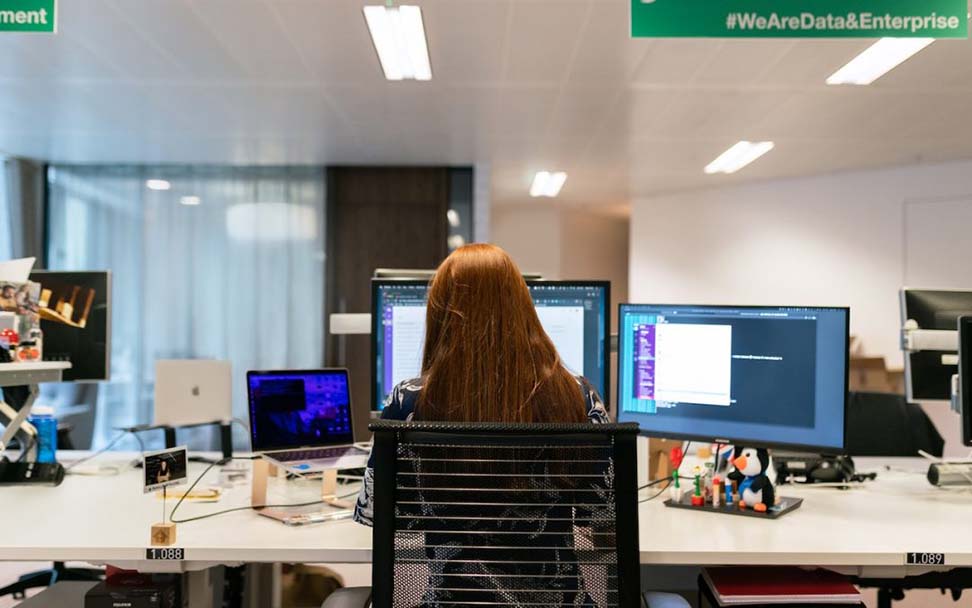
x=574, y=314
x=767, y=376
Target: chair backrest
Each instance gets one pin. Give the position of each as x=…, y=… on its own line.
x=505, y=515
x=885, y=424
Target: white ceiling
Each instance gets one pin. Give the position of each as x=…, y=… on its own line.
x=521, y=85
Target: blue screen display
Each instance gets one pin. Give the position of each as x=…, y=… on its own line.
x=290, y=409
x=774, y=376
x=574, y=314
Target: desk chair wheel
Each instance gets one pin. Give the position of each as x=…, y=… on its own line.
x=653, y=599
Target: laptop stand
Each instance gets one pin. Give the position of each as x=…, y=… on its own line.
x=263, y=470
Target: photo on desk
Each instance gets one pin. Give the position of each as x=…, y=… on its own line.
x=165, y=468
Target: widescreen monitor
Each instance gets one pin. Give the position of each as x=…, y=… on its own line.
x=928, y=373
x=760, y=376
x=575, y=314
x=75, y=312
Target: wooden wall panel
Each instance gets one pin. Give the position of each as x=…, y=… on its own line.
x=377, y=218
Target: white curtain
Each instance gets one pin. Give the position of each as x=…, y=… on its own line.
x=238, y=275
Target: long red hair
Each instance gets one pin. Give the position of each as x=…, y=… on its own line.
x=487, y=357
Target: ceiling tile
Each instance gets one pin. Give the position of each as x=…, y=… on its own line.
x=542, y=39
x=254, y=38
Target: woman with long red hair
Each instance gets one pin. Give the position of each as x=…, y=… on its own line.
x=487, y=358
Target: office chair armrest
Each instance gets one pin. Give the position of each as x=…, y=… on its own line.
x=349, y=597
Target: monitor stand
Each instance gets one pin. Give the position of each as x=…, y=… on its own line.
x=225, y=436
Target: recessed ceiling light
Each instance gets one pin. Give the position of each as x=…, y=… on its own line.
x=738, y=156
x=190, y=201
x=547, y=184
x=878, y=59
x=399, y=37
x=157, y=184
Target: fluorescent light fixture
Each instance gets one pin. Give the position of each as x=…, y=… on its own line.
x=547, y=184
x=399, y=37
x=878, y=59
x=190, y=201
x=738, y=156
x=157, y=184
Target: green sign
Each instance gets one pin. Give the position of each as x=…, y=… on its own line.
x=799, y=19
x=28, y=16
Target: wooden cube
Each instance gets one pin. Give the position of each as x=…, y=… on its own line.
x=163, y=535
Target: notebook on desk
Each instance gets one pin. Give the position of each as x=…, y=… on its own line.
x=302, y=420
x=777, y=586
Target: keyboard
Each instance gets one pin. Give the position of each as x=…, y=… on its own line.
x=317, y=453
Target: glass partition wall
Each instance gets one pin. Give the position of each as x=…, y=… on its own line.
x=221, y=262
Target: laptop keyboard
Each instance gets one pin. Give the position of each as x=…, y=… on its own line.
x=318, y=454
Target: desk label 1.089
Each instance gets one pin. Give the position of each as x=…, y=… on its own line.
x=166, y=553
x=925, y=559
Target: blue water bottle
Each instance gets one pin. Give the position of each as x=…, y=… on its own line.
x=42, y=417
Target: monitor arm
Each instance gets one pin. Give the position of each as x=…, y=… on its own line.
x=915, y=339
x=17, y=423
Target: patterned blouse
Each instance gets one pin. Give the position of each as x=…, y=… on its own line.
x=400, y=405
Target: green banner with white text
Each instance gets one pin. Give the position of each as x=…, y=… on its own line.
x=799, y=18
x=28, y=16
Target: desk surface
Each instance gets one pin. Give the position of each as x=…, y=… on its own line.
x=874, y=524
x=107, y=520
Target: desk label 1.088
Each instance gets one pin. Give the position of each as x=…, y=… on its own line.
x=165, y=553
x=925, y=559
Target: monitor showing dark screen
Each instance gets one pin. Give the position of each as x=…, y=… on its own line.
x=75, y=312
x=292, y=409
x=575, y=314
x=767, y=376
x=965, y=377
x=928, y=373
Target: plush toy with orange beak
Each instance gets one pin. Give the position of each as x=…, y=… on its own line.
x=755, y=488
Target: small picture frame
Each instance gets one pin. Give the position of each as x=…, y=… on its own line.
x=165, y=468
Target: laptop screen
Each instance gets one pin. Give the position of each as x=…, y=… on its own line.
x=293, y=409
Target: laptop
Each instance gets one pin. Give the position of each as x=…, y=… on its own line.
x=301, y=420
x=192, y=391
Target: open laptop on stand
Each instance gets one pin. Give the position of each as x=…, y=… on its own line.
x=301, y=420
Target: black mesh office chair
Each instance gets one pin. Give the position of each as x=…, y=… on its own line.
x=502, y=515
x=885, y=424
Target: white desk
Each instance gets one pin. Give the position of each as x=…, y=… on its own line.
x=872, y=526
x=107, y=520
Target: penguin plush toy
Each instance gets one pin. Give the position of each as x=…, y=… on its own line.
x=751, y=468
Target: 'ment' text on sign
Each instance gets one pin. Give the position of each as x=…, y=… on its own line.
x=28, y=16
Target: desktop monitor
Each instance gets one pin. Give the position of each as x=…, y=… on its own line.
x=761, y=376
x=965, y=377
x=75, y=312
x=575, y=314
x=928, y=373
